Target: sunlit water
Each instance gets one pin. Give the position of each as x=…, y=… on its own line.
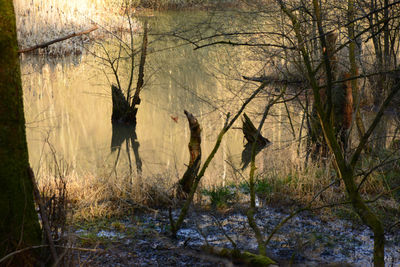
x=68, y=107
x=68, y=112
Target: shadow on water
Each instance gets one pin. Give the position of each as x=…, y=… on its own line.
x=127, y=134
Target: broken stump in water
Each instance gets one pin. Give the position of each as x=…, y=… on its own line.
x=122, y=111
x=126, y=108
x=250, y=134
x=185, y=184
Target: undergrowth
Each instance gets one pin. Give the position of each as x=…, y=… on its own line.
x=107, y=196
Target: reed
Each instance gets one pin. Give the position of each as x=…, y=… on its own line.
x=92, y=196
x=40, y=21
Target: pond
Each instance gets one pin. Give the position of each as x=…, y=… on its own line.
x=68, y=113
x=68, y=108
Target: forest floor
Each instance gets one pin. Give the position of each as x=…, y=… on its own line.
x=306, y=240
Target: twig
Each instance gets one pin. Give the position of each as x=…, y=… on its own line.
x=202, y=233
x=20, y=251
x=43, y=246
x=43, y=214
x=392, y=226
x=290, y=216
x=225, y=233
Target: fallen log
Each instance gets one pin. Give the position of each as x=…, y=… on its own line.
x=237, y=256
x=44, y=45
x=274, y=80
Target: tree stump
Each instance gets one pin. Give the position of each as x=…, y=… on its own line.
x=185, y=184
x=250, y=134
x=122, y=112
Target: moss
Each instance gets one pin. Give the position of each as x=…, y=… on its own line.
x=244, y=257
x=19, y=226
x=225, y=252
x=257, y=260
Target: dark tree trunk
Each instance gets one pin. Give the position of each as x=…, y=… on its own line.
x=19, y=225
x=122, y=112
x=125, y=108
x=342, y=102
x=185, y=184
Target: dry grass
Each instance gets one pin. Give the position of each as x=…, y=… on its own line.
x=106, y=196
x=40, y=21
x=92, y=197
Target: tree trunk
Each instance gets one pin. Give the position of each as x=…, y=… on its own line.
x=185, y=184
x=125, y=109
x=19, y=226
x=367, y=216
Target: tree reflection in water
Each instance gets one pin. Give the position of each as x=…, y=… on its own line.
x=127, y=133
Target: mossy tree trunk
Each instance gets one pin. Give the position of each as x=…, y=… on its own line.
x=19, y=226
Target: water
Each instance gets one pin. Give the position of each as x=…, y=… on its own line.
x=68, y=108
x=68, y=113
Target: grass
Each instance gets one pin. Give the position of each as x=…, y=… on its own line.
x=106, y=196
x=40, y=21
x=92, y=197
x=221, y=196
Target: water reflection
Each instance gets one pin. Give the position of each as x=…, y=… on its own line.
x=74, y=111
x=127, y=134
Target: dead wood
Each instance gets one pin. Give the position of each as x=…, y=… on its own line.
x=240, y=257
x=140, y=80
x=122, y=112
x=124, y=107
x=274, y=80
x=44, y=45
x=185, y=184
x=250, y=134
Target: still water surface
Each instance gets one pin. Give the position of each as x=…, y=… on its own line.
x=68, y=109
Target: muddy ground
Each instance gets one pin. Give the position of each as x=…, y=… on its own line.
x=306, y=240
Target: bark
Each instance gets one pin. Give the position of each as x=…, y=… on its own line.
x=327, y=96
x=125, y=108
x=120, y=106
x=367, y=216
x=348, y=103
x=19, y=225
x=43, y=214
x=140, y=80
x=344, y=168
x=176, y=225
x=185, y=184
x=354, y=68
